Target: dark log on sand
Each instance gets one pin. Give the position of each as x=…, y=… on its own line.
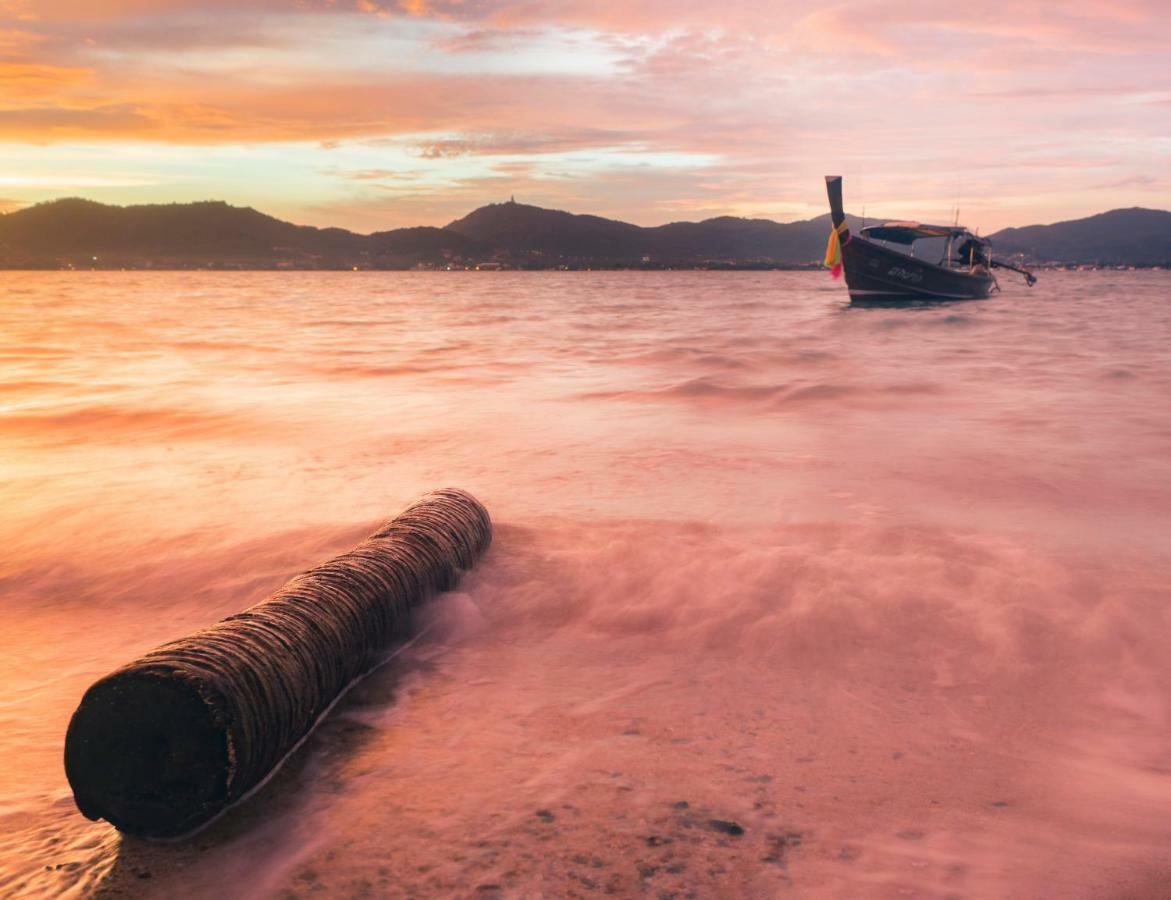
x=163, y=745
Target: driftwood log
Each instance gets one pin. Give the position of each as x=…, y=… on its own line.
x=161, y=746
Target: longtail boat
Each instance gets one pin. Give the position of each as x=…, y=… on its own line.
x=881, y=266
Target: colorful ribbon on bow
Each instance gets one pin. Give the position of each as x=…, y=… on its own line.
x=833, y=249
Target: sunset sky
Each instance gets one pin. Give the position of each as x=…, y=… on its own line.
x=372, y=114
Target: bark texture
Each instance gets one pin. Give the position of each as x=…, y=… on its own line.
x=164, y=744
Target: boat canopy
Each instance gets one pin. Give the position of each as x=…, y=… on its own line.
x=909, y=232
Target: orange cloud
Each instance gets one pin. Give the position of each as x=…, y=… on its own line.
x=36, y=80
x=16, y=41
x=41, y=125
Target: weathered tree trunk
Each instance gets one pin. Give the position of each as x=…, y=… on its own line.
x=164, y=744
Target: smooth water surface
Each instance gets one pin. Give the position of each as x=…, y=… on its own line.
x=886, y=589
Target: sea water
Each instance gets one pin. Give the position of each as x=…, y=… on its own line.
x=786, y=597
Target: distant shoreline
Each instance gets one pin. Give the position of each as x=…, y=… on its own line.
x=1072, y=267
x=81, y=234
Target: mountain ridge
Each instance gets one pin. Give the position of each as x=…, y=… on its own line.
x=76, y=232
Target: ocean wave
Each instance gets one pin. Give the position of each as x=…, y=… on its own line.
x=774, y=396
x=102, y=423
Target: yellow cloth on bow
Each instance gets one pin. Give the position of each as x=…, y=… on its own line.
x=833, y=249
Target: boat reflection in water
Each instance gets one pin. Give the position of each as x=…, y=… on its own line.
x=882, y=268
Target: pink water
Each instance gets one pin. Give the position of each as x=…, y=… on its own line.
x=887, y=589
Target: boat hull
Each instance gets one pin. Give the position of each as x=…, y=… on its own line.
x=875, y=275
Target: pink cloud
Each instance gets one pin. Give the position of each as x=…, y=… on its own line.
x=903, y=94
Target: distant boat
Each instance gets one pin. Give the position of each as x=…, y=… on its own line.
x=881, y=266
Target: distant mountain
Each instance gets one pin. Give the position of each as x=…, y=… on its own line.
x=531, y=230
x=728, y=237
x=423, y=243
x=76, y=227
x=1133, y=236
x=81, y=233
x=521, y=229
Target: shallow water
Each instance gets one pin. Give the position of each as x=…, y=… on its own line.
x=887, y=589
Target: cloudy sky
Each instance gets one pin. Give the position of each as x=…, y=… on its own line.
x=375, y=113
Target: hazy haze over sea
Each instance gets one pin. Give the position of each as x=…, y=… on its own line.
x=887, y=588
